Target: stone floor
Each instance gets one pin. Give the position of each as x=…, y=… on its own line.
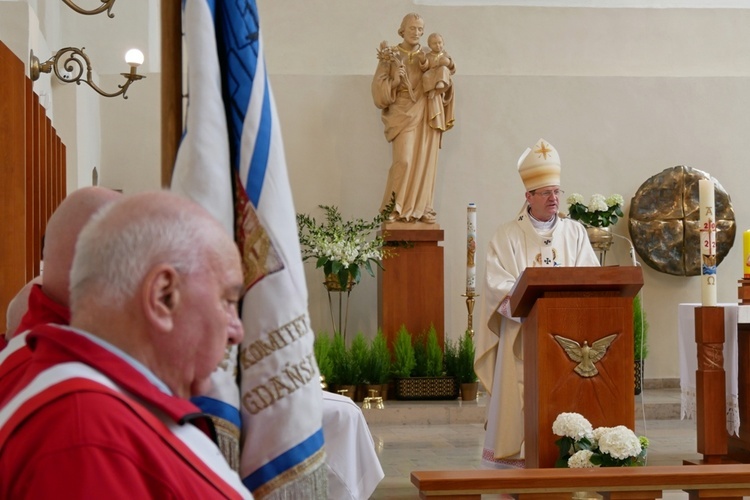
x=449, y=435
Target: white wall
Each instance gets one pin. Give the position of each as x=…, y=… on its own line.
x=131, y=137
x=623, y=93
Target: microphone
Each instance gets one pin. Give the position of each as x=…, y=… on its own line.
x=630, y=243
x=632, y=248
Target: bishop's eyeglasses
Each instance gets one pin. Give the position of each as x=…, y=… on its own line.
x=548, y=193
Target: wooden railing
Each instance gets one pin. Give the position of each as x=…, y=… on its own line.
x=631, y=483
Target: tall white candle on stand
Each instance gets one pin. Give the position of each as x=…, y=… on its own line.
x=471, y=249
x=707, y=221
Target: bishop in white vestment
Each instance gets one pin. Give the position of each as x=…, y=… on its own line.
x=536, y=237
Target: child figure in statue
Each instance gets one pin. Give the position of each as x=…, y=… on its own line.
x=437, y=66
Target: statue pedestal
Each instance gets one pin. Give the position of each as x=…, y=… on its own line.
x=410, y=288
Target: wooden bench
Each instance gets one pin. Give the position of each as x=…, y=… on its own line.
x=631, y=483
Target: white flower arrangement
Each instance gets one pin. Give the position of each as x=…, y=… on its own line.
x=582, y=446
x=620, y=443
x=341, y=247
x=581, y=460
x=572, y=425
x=600, y=211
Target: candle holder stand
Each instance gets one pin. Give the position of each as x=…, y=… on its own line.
x=371, y=400
x=470, y=296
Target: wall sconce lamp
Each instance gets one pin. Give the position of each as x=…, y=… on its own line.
x=74, y=65
x=106, y=5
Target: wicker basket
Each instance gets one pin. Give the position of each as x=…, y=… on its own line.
x=435, y=388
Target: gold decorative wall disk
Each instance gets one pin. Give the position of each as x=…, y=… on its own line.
x=663, y=221
x=586, y=356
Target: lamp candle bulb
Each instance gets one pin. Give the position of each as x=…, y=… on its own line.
x=134, y=57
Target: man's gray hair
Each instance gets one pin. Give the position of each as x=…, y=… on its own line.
x=111, y=260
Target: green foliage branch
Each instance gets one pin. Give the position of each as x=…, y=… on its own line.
x=403, y=352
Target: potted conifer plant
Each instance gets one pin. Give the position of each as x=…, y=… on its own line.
x=378, y=366
x=450, y=358
x=403, y=353
x=322, y=350
x=344, y=372
x=434, y=358
x=467, y=377
x=359, y=352
x=426, y=380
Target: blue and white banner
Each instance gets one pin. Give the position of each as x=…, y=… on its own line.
x=202, y=173
x=280, y=398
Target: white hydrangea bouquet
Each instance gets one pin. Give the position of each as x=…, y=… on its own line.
x=583, y=446
x=600, y=211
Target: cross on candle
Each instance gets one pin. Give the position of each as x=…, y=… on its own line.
x=708, y=241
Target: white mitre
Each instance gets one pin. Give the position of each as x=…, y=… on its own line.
x=539, y=166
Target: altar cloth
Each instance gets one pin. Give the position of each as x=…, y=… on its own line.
x=354, y=469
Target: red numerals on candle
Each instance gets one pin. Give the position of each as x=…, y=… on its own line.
x=709, y=244
x=709, y=226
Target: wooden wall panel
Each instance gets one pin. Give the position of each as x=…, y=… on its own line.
x=31, y=99
x=13, y=167
x=32, y=159
x=171, y=86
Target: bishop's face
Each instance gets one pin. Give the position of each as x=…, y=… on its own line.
x=544, y=202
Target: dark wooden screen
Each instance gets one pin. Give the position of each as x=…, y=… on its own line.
x=32, y=177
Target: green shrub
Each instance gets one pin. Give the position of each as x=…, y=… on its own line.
x=465, y=369
x=359, y=352
x=403, y=352
x=344, y=372
x=420, y=355
x=434, y=357
x=640, y=330
x=322, y=350
x=450, y=358
x=379, y=361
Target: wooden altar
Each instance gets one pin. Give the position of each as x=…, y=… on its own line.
x=591, y=307
x=739, y=446
x=716, y=371
x=715, y=379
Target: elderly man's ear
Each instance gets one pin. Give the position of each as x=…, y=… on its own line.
x=162, y=295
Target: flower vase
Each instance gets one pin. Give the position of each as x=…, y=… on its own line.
x=601, y=240
x=333, y=284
